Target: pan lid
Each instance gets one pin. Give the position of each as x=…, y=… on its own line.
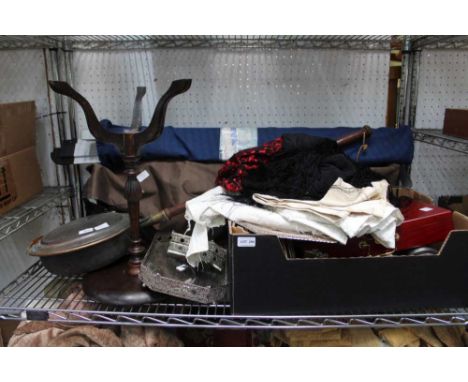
x=80, y=233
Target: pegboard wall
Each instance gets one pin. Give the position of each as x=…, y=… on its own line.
x=238, y=88
x=23, y=78
x=443, y=83
x=437, y=171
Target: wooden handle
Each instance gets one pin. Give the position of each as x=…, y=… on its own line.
x=347, y=139
x=164, y=215
x=175, y=210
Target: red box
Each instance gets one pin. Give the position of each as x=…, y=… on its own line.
x=424, y=224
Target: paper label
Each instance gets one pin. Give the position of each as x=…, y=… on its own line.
x=246, y=242
x=101, y=226
x=85, y=231
x=426, y=209
x=142, y=176
x=85, y=160
x=182, y=267
x=232, y=140
x=93, y=229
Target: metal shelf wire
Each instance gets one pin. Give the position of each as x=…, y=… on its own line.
x=28, y=42
x=437, y=138
x=39, y=295
x=50, y=197
x=440, y=42
x=228, y=41
x=197, y=41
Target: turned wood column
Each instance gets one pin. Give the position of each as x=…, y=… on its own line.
x=133, y=194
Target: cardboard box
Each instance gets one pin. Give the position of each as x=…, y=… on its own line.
x=455, y=203
x=456, y=123
x=462, y=206
x=17, y=127
x=20, y=177
x=265, y=281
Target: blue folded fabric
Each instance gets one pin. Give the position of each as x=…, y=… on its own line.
x=386, y=145
x=196, y=144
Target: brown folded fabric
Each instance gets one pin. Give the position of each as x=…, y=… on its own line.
x=359, y=337
x=329, y=337
x=32, y=333
x=399, y=337
x=87, y=336
x=427, y=335
x=137, y=336
x=450, y=336
x=35, y=333
x=344, y=341
x=465, y=337
x=319, y=338
x=364, y=337
x=311, y=335
x=327, y=344
x=40, y=333
x=169, y=183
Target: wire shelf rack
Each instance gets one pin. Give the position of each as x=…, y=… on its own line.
x=50, y=197
x=38, y=295
x=440, y=42
x=197, y=41
x=437, y=138
x=371, y=42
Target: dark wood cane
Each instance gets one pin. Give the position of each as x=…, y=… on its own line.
x=365, y=133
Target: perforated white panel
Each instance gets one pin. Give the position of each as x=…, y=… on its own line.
x=437, y=171
x=23, y=78
x=239, y=89
x=443, y=83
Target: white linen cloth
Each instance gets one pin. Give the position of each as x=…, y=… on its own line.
x=354, y=211
x=344, y=212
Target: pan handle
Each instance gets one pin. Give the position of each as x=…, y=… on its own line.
x=33, y=243
x=164, y=215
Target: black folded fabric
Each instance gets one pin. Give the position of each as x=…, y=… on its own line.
x=304, y=168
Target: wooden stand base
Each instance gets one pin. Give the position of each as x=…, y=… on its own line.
x=113, y=285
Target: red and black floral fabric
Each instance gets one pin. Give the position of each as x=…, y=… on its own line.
x=231, y=175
